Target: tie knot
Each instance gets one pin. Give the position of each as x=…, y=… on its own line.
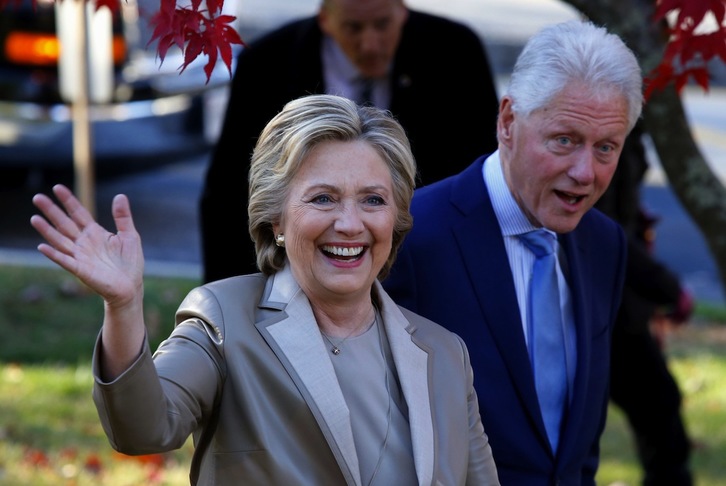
x=366, y=92
x=540, y=242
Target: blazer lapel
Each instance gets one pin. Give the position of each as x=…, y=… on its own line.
x=412, y=364
x=296, y=339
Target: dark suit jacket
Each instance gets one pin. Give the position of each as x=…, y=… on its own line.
x=248, y=351
x=453, y=269
x=443, y=94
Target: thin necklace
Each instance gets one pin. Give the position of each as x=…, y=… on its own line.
x=337, y=348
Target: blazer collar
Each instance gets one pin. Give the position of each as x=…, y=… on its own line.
x=295, y=337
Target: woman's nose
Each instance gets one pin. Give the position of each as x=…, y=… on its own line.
x=349, y=220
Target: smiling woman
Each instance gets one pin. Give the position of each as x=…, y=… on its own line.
x=341, y=229
x=309, y=360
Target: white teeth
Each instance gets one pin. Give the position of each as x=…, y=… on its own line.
x=343, y=251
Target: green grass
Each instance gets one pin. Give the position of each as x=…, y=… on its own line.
x=697, y=359
x=50, y=433
x=47, y=316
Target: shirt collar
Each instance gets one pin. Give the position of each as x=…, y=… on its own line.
x=512, y=220
x=336, y=63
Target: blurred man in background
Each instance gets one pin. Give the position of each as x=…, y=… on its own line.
x=433, y=74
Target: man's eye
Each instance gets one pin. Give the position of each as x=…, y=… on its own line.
x=382, y=25
x=564, y=140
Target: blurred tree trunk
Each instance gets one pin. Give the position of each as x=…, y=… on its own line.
x=692, y=180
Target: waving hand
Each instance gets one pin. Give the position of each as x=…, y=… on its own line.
x=111, y=264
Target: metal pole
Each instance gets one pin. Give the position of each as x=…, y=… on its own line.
x=83, y=162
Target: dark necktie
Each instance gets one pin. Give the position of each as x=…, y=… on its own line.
x=546, y=335
x=366, y=93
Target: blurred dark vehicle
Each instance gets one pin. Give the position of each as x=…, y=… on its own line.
x=151, y=113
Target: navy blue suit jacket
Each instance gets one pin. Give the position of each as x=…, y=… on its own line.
x=453, y=269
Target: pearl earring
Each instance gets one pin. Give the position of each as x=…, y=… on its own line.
x=280, y=240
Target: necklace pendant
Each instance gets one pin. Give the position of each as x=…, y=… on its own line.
x=335, y=350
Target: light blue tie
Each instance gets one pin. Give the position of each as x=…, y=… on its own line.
x=546, y=336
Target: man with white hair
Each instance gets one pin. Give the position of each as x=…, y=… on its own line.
x=541, y=359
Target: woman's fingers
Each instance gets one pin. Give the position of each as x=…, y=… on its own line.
x=111, y=264
x=69, y=220
x=48, y=226
x=80, y=215
x=121, y=210
x=64, y=260
x=68, y=230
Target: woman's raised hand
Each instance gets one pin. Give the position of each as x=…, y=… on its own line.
x=111, y=264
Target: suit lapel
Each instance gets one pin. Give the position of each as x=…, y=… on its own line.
x=487, y=266
x=581, y=291
x=296, y=340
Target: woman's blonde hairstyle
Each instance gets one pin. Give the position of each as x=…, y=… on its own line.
x=287, y=140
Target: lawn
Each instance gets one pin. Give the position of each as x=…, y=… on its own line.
x=697, y=358
x=50, y=434
x=49, y=430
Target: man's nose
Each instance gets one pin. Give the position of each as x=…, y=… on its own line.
x=369, y=39
x=582, y=169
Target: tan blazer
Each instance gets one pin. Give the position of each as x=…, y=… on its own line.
x=247, y=372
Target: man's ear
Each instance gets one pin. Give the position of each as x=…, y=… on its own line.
x=505, y=120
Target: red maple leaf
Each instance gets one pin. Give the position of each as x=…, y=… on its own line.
x=196, y=32
x=207, y=32
x=688, y=50
x=193, y=30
